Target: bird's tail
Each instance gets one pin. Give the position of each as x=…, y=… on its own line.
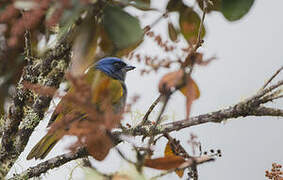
x=44, y=146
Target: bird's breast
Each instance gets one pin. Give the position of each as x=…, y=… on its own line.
x=105, y=89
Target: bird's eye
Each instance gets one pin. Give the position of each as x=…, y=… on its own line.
x=118, y=65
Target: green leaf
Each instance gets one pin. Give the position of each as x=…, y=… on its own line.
x=123, y=29
x=231, y=9
x=235, y=9
x=189, y=23
x=175, y=5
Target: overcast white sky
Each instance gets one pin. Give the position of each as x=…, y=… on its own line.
x=249, y=51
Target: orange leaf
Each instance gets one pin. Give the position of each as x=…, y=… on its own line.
x=191, y=91
x=170, y=80
x=165, y=163
x=168, y=152
x=180, y=172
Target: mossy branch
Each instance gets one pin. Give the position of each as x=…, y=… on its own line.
x=49, y=164
x=28, y=108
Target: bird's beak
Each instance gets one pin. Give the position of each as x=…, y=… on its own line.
x=129, y=68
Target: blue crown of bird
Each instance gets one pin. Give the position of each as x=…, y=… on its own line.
x=108, y=74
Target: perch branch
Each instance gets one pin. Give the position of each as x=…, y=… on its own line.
x=49, y=164
x=250, y=107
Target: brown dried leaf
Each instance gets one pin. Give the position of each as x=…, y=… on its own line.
x=173, y=34
x=197, y=58
x=165, y=163
x=40, y=89
x=100, y=146
x=174, y=79
x=170, y=80
x=192, y=58
x=84, y=120
x=191, y=91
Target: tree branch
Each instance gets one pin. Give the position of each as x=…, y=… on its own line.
x=250, y=107
x=50, y=164
x=27, y=108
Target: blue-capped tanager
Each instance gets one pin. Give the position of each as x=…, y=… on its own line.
x=107, y=74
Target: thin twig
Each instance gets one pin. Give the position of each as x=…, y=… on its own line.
x=272, y=77
x=145, y=118
x=123, y=156
x=277, y=97
x=263, y=92
x=158, y=119
x=149, y=27
x=272, y=96
x=199, y=41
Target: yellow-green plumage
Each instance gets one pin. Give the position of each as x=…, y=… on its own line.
x=44, y=146
x=99, y=83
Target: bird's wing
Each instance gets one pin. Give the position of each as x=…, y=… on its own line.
x=103, y=87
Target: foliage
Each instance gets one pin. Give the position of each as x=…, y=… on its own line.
x=48, y=17
x=98, y=28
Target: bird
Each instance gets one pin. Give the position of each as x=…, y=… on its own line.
x=109, y=74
